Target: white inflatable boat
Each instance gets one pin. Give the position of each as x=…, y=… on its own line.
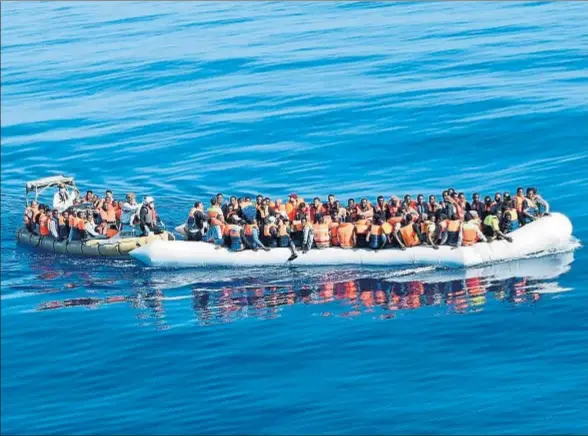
x=549, y=234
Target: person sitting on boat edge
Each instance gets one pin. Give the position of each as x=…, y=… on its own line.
x=408, y=234
x=510, y=219
x=252, y=236
x=491, y=226
x=429, y=230
x=307, y=234
x=454, y=231
x=269, y=236
x=470, y=231
x=283, y=236
x=236, y=234
x=320, y=231
x=379, y=234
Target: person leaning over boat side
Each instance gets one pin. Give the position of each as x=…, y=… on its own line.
x=307, y=234
x=283, y=238
x=320, y=230
x=491, y=227
x=252, y=236
x=470, y=231
x=408, y=234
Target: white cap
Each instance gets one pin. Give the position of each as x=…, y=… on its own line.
x=149, y=199
x=272, y=219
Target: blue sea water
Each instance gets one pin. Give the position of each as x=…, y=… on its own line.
x=180, y=100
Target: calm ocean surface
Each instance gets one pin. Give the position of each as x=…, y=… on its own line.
x=182, y=100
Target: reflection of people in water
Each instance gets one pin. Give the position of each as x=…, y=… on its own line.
x=348, y=298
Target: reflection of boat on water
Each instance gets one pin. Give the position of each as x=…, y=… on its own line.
x=454, y=291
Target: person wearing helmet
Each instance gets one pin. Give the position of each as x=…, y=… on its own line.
x=148, y=217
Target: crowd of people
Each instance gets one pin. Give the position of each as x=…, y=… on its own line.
x=241, y=224
x=73, y=217
x=262, y=223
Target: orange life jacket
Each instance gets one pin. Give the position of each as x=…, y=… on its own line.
x=333, y=231
x=80, y=224
x=394, y=220
x=110, y=232
x=386, y=228
x=375, y=230
x=108, y=215
x=44, y=225
x=72, y=221
x=215, y=222
x=409, y=236
x=361, y=227
x=321, y=235
x=453, y=225
x=345, y=235
x=469, y=234
x=290, y=210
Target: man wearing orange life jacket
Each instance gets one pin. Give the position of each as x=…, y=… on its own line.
x=379, y=234
x=321, y=234
x=333, y=227
x=408, y=234
x=470, y=231
x=236, y=235
x=215, y=231
x=365, y=210
x=251, y=233
x=331, y=205
x=454, y=231
x=361, y=230
x=44, y=219
x=352, y=210
x=395, y=222
x=346, y=235
x=291, y=207
x=270, y=233
x=317, y=208
x=381, y=208
x=283, y=236
x=429, y=230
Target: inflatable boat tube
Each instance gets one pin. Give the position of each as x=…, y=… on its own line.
x=113, y=247
x=548, y=234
